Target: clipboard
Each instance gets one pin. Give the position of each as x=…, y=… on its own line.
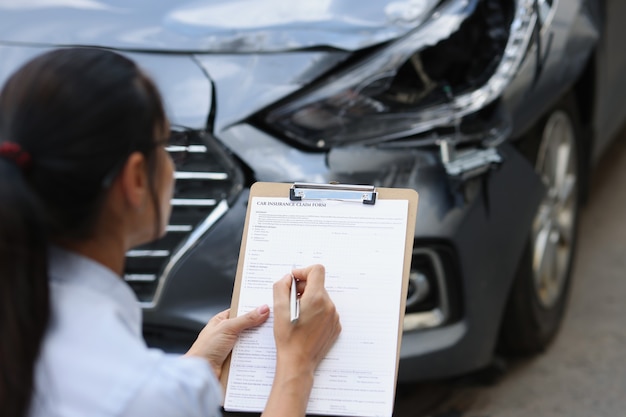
x=344, y=194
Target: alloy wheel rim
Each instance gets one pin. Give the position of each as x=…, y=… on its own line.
x=554, y=225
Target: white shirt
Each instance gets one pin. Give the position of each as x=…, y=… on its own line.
x=94, y=362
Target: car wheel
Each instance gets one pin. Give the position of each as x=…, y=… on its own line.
x=540, y=289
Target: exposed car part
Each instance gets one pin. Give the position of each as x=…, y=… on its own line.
x=468, y=163
x=540, y=290
x=455, y=64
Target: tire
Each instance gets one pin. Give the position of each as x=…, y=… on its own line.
x=539, y=293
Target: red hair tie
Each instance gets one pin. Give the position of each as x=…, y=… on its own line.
x=15, y=153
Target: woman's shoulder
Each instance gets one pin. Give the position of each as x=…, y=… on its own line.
x=121, y=379
x=178, y=386
x=94, y=361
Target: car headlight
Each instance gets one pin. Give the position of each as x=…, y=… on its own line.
x=454, y=64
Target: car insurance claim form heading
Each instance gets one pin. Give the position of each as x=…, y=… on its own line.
x=362, y=248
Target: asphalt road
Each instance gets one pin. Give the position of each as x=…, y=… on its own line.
x=583, y=373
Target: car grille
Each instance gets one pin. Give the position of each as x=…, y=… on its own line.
x=207, y=179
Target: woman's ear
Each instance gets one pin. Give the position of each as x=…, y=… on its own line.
x=134, y=182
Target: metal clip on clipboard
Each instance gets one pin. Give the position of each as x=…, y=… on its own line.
x=365, y=194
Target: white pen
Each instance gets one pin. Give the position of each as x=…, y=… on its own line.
x=295, y=301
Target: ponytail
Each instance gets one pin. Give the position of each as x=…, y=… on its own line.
x=24, y=303
x=72, y=117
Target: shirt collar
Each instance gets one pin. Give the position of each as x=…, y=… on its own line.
x=77, y=270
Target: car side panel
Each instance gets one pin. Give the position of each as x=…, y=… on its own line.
x=610, y=109
x=489, y=242
x=552, y=65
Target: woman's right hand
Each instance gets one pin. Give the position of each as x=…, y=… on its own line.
x=308, y=340
x=302, y=345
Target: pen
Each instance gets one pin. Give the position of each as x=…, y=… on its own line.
x=295, y=301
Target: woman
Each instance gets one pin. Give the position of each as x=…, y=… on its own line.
x=84, y=177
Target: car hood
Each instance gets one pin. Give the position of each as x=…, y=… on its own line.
x=210, y=25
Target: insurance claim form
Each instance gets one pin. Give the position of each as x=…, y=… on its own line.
x=362, y=248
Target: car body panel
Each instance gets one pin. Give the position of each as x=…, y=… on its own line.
x=610, y=66
x=488, y=241
x=246, y=83
x=553, y=65
x=187, y=95
x=210, y=26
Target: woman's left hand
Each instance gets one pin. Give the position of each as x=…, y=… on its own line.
x=218, y=337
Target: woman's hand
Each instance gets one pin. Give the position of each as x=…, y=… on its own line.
x=302, y=345
x=218, y=337
x=309, y=339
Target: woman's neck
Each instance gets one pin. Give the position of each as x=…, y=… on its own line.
x=106, y=251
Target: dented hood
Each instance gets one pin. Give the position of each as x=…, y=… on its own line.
x=210, y=25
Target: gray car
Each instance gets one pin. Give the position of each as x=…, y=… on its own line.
x=495, y=111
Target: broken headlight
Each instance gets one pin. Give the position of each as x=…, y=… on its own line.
x=454, y=64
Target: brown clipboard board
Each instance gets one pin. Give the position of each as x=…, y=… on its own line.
x=369, y=195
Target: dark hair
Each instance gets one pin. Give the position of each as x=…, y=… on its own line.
x=79, y=113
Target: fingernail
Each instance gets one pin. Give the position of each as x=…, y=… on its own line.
x=264, y=309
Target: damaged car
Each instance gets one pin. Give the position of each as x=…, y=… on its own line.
x=495, y=111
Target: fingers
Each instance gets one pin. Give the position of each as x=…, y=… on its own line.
x=315, y=272
x=313, y=275
x=222, y=315
x=281, y=298
x=306, y=343
x=252, y=318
